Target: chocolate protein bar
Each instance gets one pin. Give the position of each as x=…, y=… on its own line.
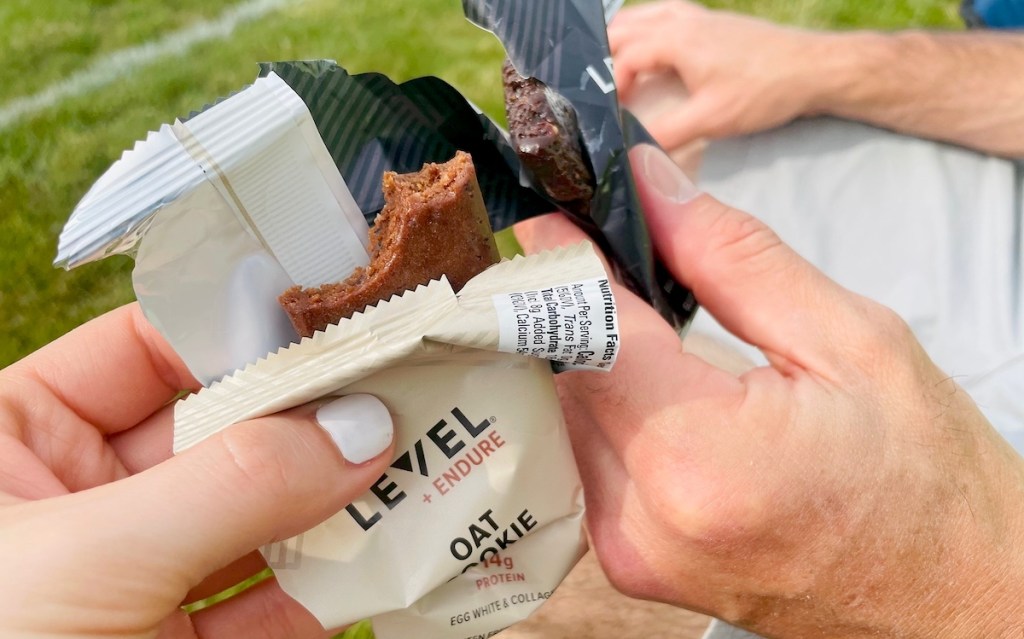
x=546, y=137
x=433, y=223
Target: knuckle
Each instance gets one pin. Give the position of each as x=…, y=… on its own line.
x=664, y=13
x=707, y=525
x=890, y=327
x=15, y=422
x=256, y=461
x=716, y=520
x=622, y=568
x=626, y=578
x=740, y=238
x=882, y=335
x=677, y=10
x=275, y=617
x=623, y=549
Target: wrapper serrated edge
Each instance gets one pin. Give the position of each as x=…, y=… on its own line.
x=315, y=366
x=372, y=340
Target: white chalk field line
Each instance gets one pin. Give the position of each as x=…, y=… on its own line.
x=120, y=63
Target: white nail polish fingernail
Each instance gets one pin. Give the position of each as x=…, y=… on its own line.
x=359, y=424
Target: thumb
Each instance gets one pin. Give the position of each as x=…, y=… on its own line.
x=255, y=482
x=741, y=272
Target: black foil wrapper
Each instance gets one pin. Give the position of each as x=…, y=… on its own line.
x=371, y=125
x=564, y=44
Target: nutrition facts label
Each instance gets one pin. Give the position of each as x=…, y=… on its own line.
x=573, y=324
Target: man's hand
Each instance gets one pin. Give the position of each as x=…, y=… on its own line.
x=102, y=535
x=746, y=75
x=848, y=489
x=743, y=75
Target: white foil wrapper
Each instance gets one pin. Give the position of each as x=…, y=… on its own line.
x=224, y=212
x=479, y=516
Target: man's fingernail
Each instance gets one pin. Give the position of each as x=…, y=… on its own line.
x=359, y=424
x=665, y=175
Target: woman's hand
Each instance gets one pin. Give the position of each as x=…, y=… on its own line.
x=848, y=489
x=103, y=535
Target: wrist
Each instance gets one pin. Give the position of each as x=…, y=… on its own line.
x=986, y=578
x=849, y=72
x=994, y=605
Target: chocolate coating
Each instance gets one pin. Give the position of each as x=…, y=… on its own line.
x=433, y=223
x=546, y=137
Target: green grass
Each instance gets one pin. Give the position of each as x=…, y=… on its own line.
x=851, y=14
x=43, y=42
x=48, y=161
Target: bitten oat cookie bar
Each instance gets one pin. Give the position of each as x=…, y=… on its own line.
x=433, y=223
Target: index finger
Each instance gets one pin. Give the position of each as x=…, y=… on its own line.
x=647, y=13
x=113, y=371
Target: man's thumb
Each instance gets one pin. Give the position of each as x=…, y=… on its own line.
x=255, y=482
x=739, y=269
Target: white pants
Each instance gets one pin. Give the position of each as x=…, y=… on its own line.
x=930, y=230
